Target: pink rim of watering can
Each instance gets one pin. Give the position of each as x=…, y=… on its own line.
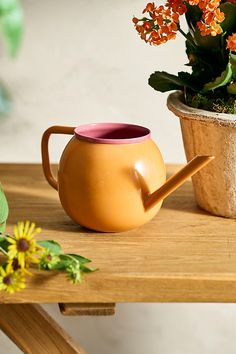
x=112, y=133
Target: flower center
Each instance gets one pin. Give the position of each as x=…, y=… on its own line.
x=22, y=245
x=15, y=264
x=7, y=279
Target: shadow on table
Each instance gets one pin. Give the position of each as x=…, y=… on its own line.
x=183, y=201
x=53, y=217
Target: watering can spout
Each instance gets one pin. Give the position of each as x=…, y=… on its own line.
x=176, y=180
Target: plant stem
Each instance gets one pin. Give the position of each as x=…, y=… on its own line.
x=186, y=37
x=72, y=258
x=222, y=46
x=3, y=251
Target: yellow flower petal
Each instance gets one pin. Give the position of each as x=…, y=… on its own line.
x=36, y=231
x=21, y=259
x=34, y=259
x=11, y=240
x=12, y=253
x=16, y=233
x=26, y=228
x=20, y=228
x=9, y=268
x=25, y=271
x=2, y=271
x=22, y=285
x=2, y=286
x=32, y=227
x=10, y=290
x=12, y=247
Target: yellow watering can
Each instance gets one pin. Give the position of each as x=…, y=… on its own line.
x=111, y=176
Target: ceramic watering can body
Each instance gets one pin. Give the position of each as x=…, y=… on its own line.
x=109, y=175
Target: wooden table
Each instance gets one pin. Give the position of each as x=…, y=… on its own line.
x=182, y=255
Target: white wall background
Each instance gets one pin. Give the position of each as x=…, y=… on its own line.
x=82, y=61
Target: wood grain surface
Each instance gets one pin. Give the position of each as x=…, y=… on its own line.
x=34, y=331
x=182, y=255
x=75, y=309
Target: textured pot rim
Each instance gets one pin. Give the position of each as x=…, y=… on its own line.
x=176, y=105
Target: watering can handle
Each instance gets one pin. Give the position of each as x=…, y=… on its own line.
x=45, y=155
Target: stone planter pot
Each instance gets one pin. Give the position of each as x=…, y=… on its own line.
x=209, y=133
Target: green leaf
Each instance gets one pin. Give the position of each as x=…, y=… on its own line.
x=58, y=266
x=79, y=258
x=231, y=89
x=229, y=23
x=162, y=81
x=232, y=60
x=11, y=24
x=189, y=81
x=85, y=269
x=55, y=266
x=2, y=238
x=207, y=43
x=221, y=80
x=69, y=259
x=64, y=263
x=3, y=244
x=51, y=245
x=4, y=210
x=192, y=15
x=3, y=227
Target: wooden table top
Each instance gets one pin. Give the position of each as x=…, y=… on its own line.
x=182, y=255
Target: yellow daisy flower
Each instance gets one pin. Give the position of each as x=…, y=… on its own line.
x=23, y=244
x=11, y=280
x=16, y=266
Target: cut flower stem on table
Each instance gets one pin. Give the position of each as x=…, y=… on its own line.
x=21, y=251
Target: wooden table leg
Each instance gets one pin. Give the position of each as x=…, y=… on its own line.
x=34, y=331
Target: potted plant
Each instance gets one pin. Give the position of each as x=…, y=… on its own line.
x=206, y=98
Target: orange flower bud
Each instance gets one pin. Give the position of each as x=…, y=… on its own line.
x=231, y=43
x=149, y=8
x=135, y=20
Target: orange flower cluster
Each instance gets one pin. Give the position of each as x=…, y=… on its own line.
x=209, y=5
x=231, y=43
x=177, y=6
x=163, y=21
x=211, y=17
x=160, y=27
x=150, y=8
x=193, y=2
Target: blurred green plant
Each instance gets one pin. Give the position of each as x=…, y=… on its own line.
x=11, y=30
x=3, y=210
